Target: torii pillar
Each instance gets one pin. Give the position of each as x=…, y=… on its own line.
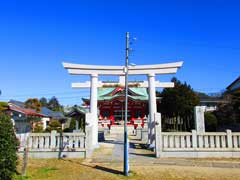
x=152, y=106
x=93, y=108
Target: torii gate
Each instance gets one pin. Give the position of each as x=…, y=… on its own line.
x=94, y=70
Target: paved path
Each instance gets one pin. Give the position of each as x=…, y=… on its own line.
x=111, y=152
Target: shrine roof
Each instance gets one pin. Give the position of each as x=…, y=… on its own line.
x=108, y=93
x=77, y=109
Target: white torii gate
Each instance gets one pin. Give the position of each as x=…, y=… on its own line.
x=149, y=70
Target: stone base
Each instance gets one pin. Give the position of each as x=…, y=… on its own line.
x=139, y=133
x=200, y=154
x=54, y=154
x=144, y=135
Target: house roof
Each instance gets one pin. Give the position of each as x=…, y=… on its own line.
x=234, y=85
x=52, y=114
x=18, y=103
x=29, y=112
x=44, y=110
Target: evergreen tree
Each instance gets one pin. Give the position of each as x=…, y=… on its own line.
x=178, y=103
x=43, y=101
x=54, y=104
x=8, y=148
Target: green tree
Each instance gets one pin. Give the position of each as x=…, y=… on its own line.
x=178, y=103
x=210, y=122
x=8, y=148
x=33, y=103
x=54, y=104
x=44, y=102
x=3, y=106
x=229, y=111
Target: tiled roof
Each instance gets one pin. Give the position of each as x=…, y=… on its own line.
x=50, y=113
x=77, y=109
x=30, y=112
x=108, y=93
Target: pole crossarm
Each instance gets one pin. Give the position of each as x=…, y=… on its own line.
x=158, y=84
x=81, y=69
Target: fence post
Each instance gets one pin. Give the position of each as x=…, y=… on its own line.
x=53, y=139
x=229, y=138
x=88, y=141
x=158, y=134
x=194, y=139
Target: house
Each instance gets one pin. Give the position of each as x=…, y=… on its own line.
x=235, y=85
x=21, y=115
x=78, y=113
x=49, y=115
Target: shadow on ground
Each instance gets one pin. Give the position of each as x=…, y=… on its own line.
x=102, y=168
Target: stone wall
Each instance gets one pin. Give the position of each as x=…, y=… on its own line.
x=48, y=145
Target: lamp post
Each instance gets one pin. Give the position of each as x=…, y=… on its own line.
x=126, y=146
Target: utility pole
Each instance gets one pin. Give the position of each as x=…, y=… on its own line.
x=126, y=143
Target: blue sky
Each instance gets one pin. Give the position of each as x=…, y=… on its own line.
x=37, y=36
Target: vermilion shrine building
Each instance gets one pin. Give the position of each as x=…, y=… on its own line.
x=111, y=101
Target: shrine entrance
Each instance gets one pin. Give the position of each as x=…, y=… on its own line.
x=150, y=87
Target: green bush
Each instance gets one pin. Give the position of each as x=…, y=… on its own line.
x=8, y=148
x=54, y=125
x=38, y=128
x=210, y=121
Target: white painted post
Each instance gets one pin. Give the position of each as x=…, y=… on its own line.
x=88, y=141
x=93, y=108
x=47, y=141
x=235, y=142
x=41, y=142
x=177, y=141
x=183, y=144
x=217, y=142
x=223, y=141
x=199, y=118
x=188, y=141
x=200, y=140
x=212, y=144
x=229, y=138
x=152, y=105
x=158, y=134
x=53, y=139
x=194, y=139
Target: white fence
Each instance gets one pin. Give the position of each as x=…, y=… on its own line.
x=47, y=145
x=196, y=144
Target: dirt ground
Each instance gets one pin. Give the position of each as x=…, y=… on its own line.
x=76, y=169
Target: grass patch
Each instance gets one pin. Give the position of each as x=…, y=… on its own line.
x=46, y=170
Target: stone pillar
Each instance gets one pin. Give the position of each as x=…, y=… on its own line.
x=152, y=105
x=93, y=108
x=229, y=139
x=158, y=134
x=199, y=118
x=77, y=124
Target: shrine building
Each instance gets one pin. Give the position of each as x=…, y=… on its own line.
x=111, y=104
